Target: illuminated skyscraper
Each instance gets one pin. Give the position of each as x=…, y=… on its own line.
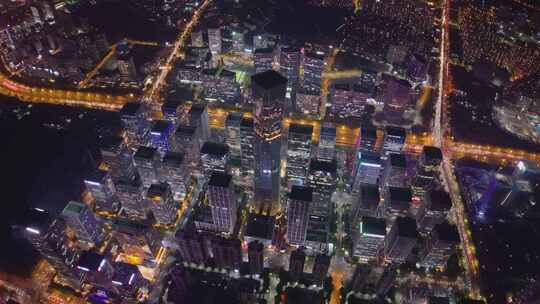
x=313, y=69
x=127, y=280
x=426, y=170
x=222, y=201
x=159, y=135
x=326, y=149
x=146, y=161
x=187, y=140
x=172, y=170
x=255, y=257
x=215, y=157
x=320, y=268
x=367, y=170
x=49, y=238
x=433, y=210
x=307, y=102
x=214, y=40
x=298, y=210
x=117, y=157
x=401, y=240
x=289, y=63
x=367, y=203
x=298, y=153
x=130, y=196
x=134, y=122
x=247, y=144
x=393, y=141
x=198, y=117
x=83, y=223
x=101, y=187
x=440, y=245
x=397, y=201
x=368, y=238
x=396, y=99
x=264, y=59
x=322, y=179
x=395, y=171
x=160, y=201
x=233, y=136
x=268, y=91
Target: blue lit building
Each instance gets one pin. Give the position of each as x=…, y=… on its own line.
x=159, y=135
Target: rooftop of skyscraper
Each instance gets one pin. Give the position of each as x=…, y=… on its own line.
x=269, y=79
x=301, y=193
x=219, y=179
x=214, y=148
x=144, y=152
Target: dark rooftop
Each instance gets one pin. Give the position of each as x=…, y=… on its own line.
x=328, y=129
x=173, y=158
x=160, y=126
x=144, y=152
x=304, y=129
x=97, y=176
x=368, y=131
x=447, y=232
x=325, y=166
x=395, y=131
x=214, y=148
x=260, y=226
x=398, y=160
x=373, y=225
x=370, y=192
x=185, y=130
x=400, y=194
x=370, y=157
x=234, y=118
x=90, y=260
x=406, y=227
x=110, y=143
x=263, y=51
x=440, y=200
x=157, y=190
x=171, y=106
x=247, y=122
x=432, y=153
x=437, y=300
x=301, y=193
x=197, y=109
x=219, y=179
x=269, y=79
x=131, y=109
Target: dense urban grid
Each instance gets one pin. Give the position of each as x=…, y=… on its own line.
x=259, y=151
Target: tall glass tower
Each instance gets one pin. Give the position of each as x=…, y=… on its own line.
x=268, y=91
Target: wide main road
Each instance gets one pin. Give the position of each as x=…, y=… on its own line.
x=448, y=177
x=152, y=95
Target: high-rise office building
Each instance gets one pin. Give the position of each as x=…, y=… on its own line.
x=367, y=170
x=187, y=139
x=173, y=170
x=359, y=281
x=227, y=253
x=222, y=201
x=326, y=149
x=368, y=239
x=320, y=267
x=397, y=201
x=130, y=196
x=172, y=110
x=386, y=280
x=307, y=101
x=101, y=187
x=439, y=246
x=160, y=201
x=214, y=40
x=82, y=221
x=255, y=257
x=296, y=264
x=395, y=171
x=401, y=240
x=426, y=170
x=298, y=210
x=396, y=99
x=289, y=66
x=127, y=280
x=263, y=59
x=322, y=179
x=95, y=269
x=367, y=140
x=198, y=117
x=433, y=210
x=48, y=237
x=233, y=136
x=313, y=69
x=159, y=135
x=134, y=123
x=394, y=140
x=215, y=157
x=146, y=161
x=368, y=202
x=268, y=91
x=117, y=157
x=298, y=153
x=191, y=247
x=247, y=145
